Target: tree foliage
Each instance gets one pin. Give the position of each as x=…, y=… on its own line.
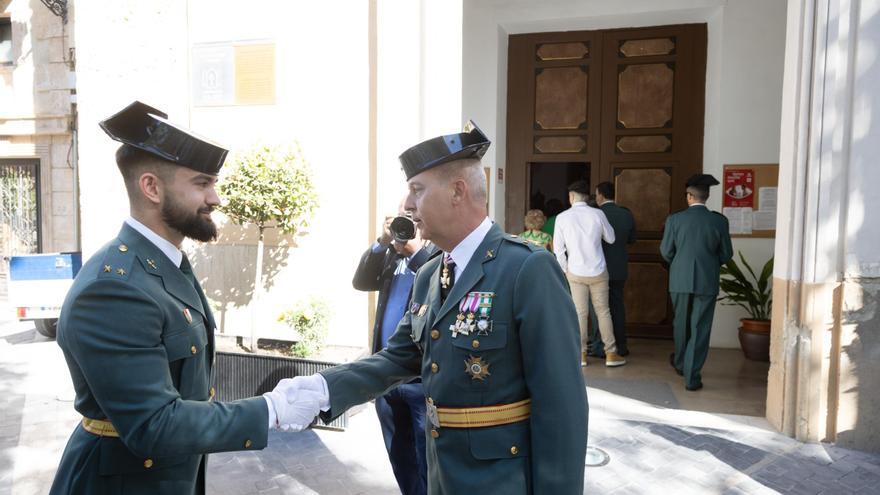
x=754, y=293
x=269, y=187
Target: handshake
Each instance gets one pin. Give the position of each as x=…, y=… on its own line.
x=294, y=402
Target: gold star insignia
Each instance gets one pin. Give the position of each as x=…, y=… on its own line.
x=152, y=264
x=120, y=271
x=490, y=254
x=108, y=268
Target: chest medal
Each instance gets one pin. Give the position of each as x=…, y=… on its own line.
x=473, y=315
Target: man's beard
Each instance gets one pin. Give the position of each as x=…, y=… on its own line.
x=192, y=225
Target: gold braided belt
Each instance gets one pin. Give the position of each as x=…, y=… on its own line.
x=100, y=427
x=479, y=417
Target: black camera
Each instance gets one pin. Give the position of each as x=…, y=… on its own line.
x=402, y=229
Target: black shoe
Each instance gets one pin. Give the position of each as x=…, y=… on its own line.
x=695, y=387
x=672, y=363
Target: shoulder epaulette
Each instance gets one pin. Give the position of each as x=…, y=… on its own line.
x=515, y=239
x=117, y=262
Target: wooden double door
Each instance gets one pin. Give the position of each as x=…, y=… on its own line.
x=624, y=106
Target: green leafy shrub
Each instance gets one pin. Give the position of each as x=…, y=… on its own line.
x=754, y=294
x=310, y=319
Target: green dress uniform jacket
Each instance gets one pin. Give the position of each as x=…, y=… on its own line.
x=696, y=242
x=137, y=335
x=532, y=351
x=624, y=225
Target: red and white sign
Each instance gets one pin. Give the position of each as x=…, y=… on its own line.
x=739, y=188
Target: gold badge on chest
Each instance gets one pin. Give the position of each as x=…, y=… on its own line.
x=476, y=368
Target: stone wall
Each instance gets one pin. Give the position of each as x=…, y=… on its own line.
x=36, y=114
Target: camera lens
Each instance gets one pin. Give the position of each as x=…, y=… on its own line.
x=402, y=229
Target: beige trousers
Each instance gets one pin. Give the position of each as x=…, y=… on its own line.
x=583, y=290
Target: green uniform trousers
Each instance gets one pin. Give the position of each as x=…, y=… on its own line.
x=692, y=328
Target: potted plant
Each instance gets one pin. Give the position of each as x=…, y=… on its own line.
x=754, y=293
x=310, y=320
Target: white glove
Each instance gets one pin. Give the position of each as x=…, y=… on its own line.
x=295, y=415
x=315, y=384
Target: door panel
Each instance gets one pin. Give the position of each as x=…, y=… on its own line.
x=626, y=103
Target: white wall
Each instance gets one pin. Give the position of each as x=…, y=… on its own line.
x=743, y=82
x=321, y=101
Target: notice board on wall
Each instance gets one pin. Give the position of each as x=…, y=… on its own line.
x=748, y=199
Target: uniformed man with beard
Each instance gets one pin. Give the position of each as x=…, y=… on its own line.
x=138, y=333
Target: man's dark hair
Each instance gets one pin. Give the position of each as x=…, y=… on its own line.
x=133, y=162
x=580, y=187
x=605, y=189
x=700, y=193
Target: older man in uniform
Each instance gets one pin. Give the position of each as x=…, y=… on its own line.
x=696, y=242
x=138, y=333
x=493, y=332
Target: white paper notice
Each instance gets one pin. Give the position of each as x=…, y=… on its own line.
x=740, y=220
x=765, y=217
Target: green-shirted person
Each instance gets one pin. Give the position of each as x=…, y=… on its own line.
x=696, y=242
x=534, y=222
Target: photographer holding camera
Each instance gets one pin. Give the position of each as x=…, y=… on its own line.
x=389, y=266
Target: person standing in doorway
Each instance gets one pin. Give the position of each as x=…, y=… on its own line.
x=577, y=243
x=696, y=242
x=390, y=266
x=616, y=258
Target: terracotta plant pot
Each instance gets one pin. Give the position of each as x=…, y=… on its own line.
x=754, y=337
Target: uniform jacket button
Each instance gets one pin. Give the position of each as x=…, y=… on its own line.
x=475, y=344
x=247, y=444
x=148, y=463
x=193, y=349
x=435, y=334
x=435, y=367
x=212, y=393
x=435, y=433
x=514, y=450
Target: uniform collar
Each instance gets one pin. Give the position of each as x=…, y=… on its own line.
x=698, y=204
x=464, y=251
x=607, y=201
x=170, y=250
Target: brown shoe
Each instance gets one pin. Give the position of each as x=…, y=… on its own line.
x=583, y=359
x=613, y=359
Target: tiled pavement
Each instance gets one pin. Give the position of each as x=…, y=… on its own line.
x=652, y=449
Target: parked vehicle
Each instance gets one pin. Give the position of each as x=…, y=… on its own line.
x=38, y=284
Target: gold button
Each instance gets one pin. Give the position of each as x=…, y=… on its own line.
x=435, y=433
x=193, y=349
x=435, y=334
x=475, y=344
x=514, y=450
x=124, y=248
x=148, y=463
x=247, y=444
x=435, y=367
x=212, y=392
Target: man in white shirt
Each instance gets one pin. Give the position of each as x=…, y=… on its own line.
x=577, y=242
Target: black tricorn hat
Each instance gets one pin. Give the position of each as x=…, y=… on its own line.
x=470, y=143
x=147, y=129
x=704, y=180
